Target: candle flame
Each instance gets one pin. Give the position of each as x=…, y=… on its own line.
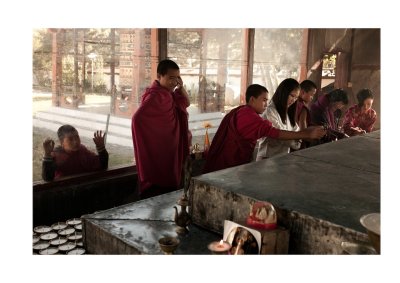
x=207, y=125
x=221, y=242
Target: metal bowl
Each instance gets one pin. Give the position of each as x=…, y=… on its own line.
x=168, y=244
x=372, y=222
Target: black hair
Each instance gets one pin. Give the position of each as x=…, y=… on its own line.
x=308, y=85
x=363, y=94
x=63, y=130
x=254, y=90
x=166, y=65
x=280, y=99
x=337, y=95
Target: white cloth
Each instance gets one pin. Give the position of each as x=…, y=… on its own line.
x=267, y=147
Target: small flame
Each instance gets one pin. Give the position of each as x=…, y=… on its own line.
x=221, y=242
x=207, y=125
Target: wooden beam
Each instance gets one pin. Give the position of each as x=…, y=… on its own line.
x=155, y=51
x=162, y=43
x=247, y=63
x=57, y=47
x=303, y=56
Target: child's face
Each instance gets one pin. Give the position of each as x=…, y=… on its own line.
x=260, y=103
x=338, y=105
x=367, y=104
x=71, y=142
x=170, y=79
x=307, y=96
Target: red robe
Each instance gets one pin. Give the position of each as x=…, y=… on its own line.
x=354, y=118
x=77, y=162
x=160, y=137
x=236, y=138
x=299, y=107
x=321, y=114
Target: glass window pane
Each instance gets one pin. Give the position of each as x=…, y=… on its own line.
x=277, y=56
x=210, y=63
x=83, y=76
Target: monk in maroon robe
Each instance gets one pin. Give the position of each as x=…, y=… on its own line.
x=326, y=110
x=360, y=118
x=71, y=157
x=236, y=137
x=160, y=132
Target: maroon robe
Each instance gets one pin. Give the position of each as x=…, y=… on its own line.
x=321, y=114
x=236, y=138
x=77, y=162
x=160, y=137
x=299, y=107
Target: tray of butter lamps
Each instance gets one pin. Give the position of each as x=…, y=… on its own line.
x=58, y=241
x=35, y=239
x=74, y=237
x=66, y=232
x=42, y=229
x=59, y=226
x=48, y=236
x=49, y=251
x=77, y=251
x=41, y=245
x=74, y=221
x=68, y=246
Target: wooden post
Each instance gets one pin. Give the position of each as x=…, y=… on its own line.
x=56, y=66
x=247, y=63
x=303, y=57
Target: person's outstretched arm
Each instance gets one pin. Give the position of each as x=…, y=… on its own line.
x=314, y=132
x=303, y=119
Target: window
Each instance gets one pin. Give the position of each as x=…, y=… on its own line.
x=210, y=63
x=277, y=56
x=91, y=79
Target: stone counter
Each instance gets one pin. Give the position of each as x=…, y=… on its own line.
x=136, y=227
x=319, y=193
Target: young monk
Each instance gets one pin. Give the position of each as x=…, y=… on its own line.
x=71, y=157
x=360, y=118
x=160, y=132
x=303, y=116
x=236, y=137
x=325, y=111
x=307, y=91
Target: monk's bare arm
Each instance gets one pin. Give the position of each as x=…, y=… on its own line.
x=315, y=132
x=303, y=119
